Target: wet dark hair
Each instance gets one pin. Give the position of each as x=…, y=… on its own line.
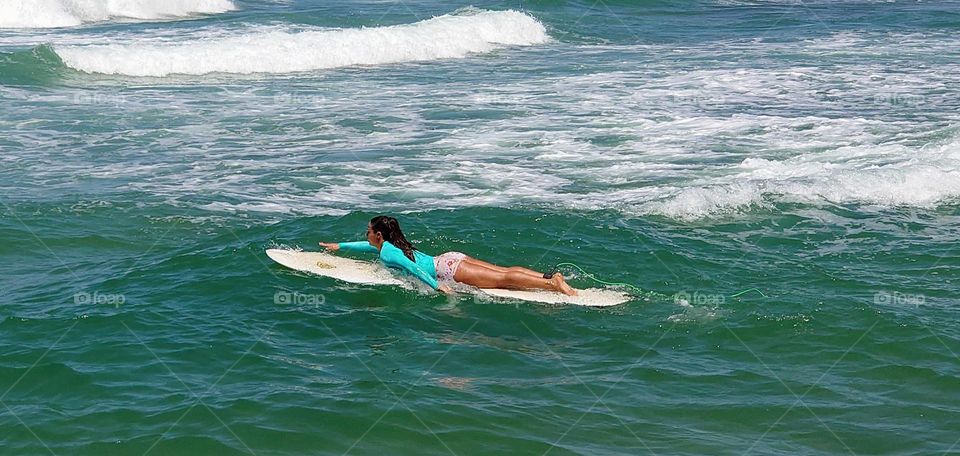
x=390, y=228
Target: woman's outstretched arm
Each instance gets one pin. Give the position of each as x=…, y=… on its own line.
x=358, y=246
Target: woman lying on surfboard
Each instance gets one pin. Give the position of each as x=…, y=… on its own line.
x=384, y=237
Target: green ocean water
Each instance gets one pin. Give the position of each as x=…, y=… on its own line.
x=694, y=150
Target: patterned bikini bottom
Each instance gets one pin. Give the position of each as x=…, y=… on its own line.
x=446, y=265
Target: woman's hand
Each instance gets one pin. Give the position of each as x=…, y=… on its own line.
x=331, y=247
x=445, y=289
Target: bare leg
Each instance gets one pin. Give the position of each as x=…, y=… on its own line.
x=471, y=273
x=526, y=271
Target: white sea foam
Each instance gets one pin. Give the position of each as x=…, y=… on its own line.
x=68, y=13
x=885, y=176
x=276, y=51
x=685, y=143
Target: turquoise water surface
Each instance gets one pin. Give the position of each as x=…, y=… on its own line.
x=151, y=151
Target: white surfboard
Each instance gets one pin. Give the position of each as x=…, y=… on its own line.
x=368, y=273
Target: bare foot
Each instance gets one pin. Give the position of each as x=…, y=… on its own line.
x=562, y=286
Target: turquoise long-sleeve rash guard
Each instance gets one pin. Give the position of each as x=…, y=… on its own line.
x=393, y=257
